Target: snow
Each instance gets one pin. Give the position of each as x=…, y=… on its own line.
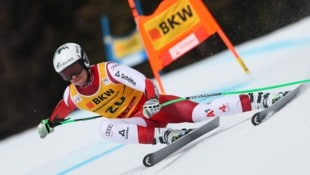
x=279, y=146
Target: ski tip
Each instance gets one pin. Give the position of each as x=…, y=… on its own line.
x=255, y=120
x=147, y=160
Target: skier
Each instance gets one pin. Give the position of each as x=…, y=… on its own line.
x=130, y=102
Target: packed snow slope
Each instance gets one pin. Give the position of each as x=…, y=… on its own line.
x=279, y=146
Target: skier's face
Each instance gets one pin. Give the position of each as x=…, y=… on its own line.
x=80, y=79
x=75, y=73
x=73, y=70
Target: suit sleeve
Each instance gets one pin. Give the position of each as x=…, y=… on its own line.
x=62, y=109
x=130, y=77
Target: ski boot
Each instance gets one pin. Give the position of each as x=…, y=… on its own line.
x=168, y=135
x=263, y=100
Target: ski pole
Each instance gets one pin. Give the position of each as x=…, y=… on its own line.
x=203, y=96
x=70, y=120
x=234, y=92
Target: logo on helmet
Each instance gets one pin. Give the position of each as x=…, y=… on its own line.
x=62, y=48
x=60, y=65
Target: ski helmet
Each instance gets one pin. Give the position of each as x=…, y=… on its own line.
x=68, y=54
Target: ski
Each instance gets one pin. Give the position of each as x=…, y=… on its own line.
x=265, y=114
x=155, y=157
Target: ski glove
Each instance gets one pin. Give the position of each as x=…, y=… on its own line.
x=151, y=107
x=44, y=128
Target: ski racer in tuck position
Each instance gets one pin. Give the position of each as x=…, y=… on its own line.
x=130, y=102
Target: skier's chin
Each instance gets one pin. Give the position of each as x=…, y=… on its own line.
x=79, y=83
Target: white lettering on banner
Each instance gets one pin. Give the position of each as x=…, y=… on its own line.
x=183, y=46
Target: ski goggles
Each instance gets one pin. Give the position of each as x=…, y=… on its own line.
x=74, y=69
